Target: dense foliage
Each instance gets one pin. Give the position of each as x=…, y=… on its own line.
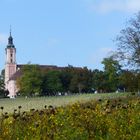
x=30, y=81
x=3, y=93
x=70, y=80
x=111, y=71
x=117, y=118
x=35, y=80
x=1, y=86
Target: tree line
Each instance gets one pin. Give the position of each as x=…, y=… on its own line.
x=71, y=80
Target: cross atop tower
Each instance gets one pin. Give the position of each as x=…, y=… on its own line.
x=10, y=30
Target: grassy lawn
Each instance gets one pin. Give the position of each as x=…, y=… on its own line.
x=39, y=102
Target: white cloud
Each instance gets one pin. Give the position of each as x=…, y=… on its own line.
x=3, y=38
x=106, y=6
x=106, y=50
x=100, y=54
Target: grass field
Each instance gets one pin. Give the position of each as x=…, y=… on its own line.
x=39, y=102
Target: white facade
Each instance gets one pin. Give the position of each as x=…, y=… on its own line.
x=12, y=88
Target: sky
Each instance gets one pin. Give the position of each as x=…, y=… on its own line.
x=63, y=32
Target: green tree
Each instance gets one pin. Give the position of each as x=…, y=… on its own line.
x=30, y=81
x=81, y=80
x=98, y=80
x=65, y=78
x=129, y=80
x=138, y=81
x=112, y=69
x=86, y=80
x=129, y=42
x=2, y=85
x=52, y=84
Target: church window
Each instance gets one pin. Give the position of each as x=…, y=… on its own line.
x=11, y=55
x=11, y=61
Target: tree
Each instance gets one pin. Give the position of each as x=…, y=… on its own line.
x=30, y=81
x=98, y=80
x=129, y=43
x=65, y=78
x=51, y=83
x=111, y=71
x=81, y=80
x=129, y=80
x=138, y=81
x=2, y=85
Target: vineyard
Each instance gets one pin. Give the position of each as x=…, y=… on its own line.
x=105, y=118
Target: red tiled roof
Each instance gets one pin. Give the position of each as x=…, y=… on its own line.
x=19, y=72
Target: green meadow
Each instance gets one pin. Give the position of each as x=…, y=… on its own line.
x=39, y=102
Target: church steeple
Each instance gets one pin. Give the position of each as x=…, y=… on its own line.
x=10, y=64
x=10, y=41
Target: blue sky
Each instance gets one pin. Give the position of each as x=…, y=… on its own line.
x=62, y=32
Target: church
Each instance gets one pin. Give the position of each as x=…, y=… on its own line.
x=13, y=70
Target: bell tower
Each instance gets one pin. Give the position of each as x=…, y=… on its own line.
x=10, y=64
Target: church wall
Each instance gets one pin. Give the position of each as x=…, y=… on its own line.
x=12, y=88
x=10, y=69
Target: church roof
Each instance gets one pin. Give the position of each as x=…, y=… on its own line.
x=41, y=66
x=16, y=75
x=10, y=41
x=19, y=72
